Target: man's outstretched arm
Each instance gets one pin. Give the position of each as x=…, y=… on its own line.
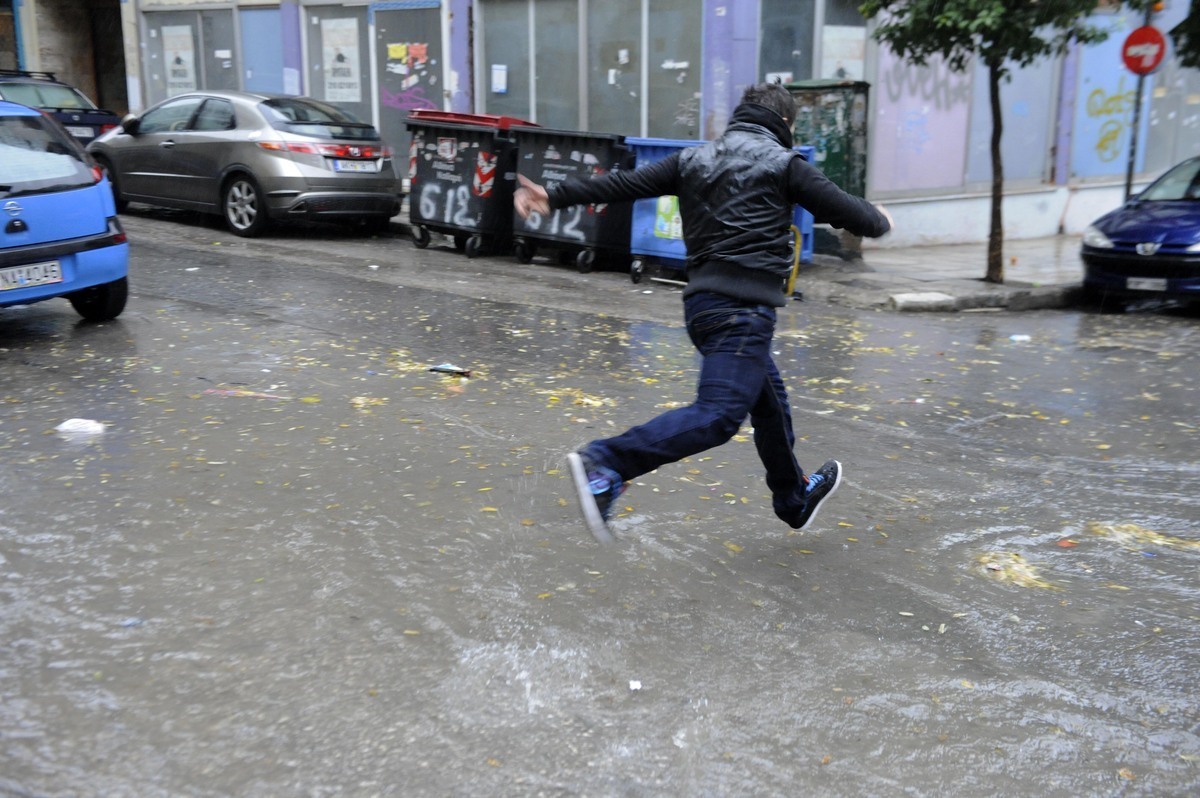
x=652, y=180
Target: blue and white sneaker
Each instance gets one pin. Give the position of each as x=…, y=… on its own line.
x=597, y=487
x=821, y=486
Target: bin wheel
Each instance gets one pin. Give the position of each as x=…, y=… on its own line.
x=585, y=260
x=636, y=270
x=524, y=251
x=421, y=237
x=473, y=246
x=460, y=241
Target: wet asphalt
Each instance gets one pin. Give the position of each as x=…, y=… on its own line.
x=297, y=562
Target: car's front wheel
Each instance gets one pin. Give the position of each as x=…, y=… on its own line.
x=244, y=206
x=101, y=302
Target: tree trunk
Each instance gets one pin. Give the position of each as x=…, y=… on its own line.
x=995, y=250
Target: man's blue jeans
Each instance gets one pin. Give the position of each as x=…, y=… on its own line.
x=737, y=378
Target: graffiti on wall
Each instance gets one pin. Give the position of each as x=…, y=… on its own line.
x=1114, y=112
x=922, y=117
x=936, y=84
x=1105, y=96
x=411, y=74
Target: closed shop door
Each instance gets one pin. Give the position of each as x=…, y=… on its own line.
x=338, y=58
x=262, y=45
x=409, y=65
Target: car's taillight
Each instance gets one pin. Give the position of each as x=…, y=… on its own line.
x=105, y=128
x=97, y=174
x=116, y=231
x=327, y=150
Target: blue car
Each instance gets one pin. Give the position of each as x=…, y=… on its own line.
x=1150, y=246
x=60, y=235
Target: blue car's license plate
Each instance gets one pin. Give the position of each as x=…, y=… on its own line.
x=1146, y=283
x=31, y=275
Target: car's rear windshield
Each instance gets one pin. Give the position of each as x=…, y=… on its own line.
x=320, y=120
x=45, y=95
x=1181, y=183
x=37, y=157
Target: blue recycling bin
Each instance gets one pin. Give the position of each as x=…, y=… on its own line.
x=656, y=232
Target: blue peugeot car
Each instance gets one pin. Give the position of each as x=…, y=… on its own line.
x=1150, y=246
x=60, y=235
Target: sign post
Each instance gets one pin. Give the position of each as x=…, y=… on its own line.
x=1142, y=52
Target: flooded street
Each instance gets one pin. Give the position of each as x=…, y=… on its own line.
x=296, y=562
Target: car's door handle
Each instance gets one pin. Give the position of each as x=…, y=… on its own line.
x=167, y=144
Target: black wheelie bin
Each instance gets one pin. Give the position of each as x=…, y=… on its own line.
x=580, y=232
x=461, y=169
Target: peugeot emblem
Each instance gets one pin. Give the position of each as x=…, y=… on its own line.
x=13, y=208
x=1148, y=248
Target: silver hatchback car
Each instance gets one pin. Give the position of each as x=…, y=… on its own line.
x=252, y=158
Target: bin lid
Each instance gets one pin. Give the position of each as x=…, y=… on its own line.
x=478, y=120
x=828, y=83
x=616, y=138
x=643, y=141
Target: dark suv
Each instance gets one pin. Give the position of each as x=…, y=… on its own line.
x=64, y=102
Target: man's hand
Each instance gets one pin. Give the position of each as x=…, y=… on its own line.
x=886, y=215
x=530, y=198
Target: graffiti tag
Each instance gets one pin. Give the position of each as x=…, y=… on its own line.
x=1113, y=109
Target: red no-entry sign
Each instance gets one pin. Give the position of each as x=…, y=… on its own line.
x=1143, y=50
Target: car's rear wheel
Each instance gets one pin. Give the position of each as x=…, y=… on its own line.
x=244, y=206
x=118, y=200
x=101, y=302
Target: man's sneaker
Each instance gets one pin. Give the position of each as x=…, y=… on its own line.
x=821, y=486
x=597, y=487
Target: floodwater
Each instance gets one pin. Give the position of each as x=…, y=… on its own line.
x=296, y=562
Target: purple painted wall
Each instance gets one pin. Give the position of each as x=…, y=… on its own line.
x=730, y=50
x=293, y=63
x=459, y=73
x=1066, y=105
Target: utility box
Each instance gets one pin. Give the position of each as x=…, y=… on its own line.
x=831, y=115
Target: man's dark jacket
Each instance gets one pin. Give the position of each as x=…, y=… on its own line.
x=735, y=197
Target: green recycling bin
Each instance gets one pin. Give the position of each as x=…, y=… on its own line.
x=831, y=115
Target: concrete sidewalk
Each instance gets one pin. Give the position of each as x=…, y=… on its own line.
x=1038, y=273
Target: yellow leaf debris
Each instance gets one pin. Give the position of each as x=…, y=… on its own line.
x=1013, y=568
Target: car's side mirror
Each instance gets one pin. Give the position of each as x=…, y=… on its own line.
x=130, y=124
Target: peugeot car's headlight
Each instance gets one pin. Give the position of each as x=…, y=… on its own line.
x=1092, y=237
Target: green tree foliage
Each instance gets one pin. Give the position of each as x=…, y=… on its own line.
x=1002, y=34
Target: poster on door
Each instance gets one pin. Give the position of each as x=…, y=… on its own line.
x=339, y=46
x=180, y=55
x=410, y=79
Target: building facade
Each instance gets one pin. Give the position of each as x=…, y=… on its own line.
x=674, y=69
x=79, y=41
